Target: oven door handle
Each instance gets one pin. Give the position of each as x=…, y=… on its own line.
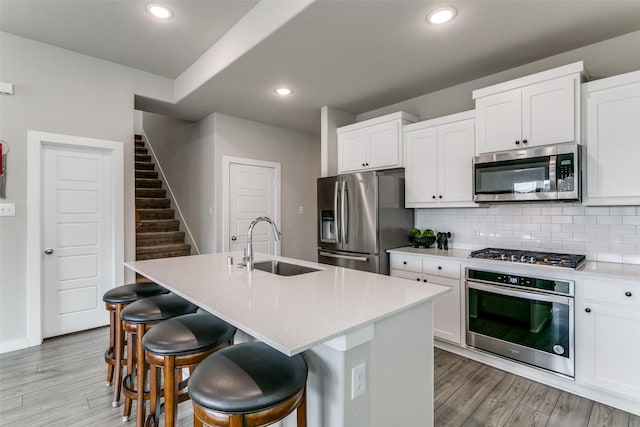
x=510, y=292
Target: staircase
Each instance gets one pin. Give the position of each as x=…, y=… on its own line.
x=159, y=235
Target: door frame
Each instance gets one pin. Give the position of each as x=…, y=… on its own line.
x=36, y=141
x=226, y=162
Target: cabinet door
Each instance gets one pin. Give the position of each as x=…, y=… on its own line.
x=612, y=129
x=446, y=311
x=421, y=176
x=383, y=145
x=608, y=352
x=455, y=169
x=499, y=120
x=352, y=152
x=549, y=112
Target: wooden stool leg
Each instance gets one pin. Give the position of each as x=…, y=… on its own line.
x=154, y=398
x=112, y=325
x=301, y=412
x=131, y=362
x=118, y=353
x=141, y=368
x=170, y=391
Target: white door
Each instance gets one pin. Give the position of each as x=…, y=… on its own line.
x=455, y=168
x=76, y=238
x=252, y=193
x=499, y=122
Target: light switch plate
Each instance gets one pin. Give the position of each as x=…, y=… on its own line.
x=7, y=209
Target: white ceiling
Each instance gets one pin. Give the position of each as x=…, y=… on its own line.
x=353, y=55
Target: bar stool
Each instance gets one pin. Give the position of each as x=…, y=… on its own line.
x=177, y=343
x=137, y=318
x=248, y=384
x=115, y=300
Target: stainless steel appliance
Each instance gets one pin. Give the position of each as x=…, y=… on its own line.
x=524, y=318
x=529, y=257
x=544, y=173
x=360, y=216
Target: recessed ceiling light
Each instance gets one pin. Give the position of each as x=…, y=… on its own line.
x=441, y=15
x=284, y=91
x=159, y=11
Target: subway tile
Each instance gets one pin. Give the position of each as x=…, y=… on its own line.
x=604, y=257
x=596, y=229
x=623, y=249
x=574, y=247
x=631, y=239
x=552, y=228
x=513, y=226
x=615, y=219
x=597, y=247
x=622, y=229
x=531, y=244
x=561, y=236
x=579, y=219
x=573, y=228
x=541, y=236
x=540, y=219
x=559, y=219
x=552, y=211
x=530, y=227
x=596, y=211
x=631, y=259
x=631, y=220
x=531, y=211
x=609, y=238
x=622, y=210
x=584, y=237
x=573, y=210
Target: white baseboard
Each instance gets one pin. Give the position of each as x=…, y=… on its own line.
x=13, y=345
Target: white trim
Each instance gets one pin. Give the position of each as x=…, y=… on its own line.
x=183, y=221
x=13, y=345
x=226, y=161
x=35, y=142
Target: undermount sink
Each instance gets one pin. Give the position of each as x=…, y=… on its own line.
x=283, y=268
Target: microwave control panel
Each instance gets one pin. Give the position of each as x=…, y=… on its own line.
x=565, y=172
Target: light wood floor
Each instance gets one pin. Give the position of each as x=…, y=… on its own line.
x=62, y=383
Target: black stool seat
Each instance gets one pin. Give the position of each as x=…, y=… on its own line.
x=126, y=294
x=156, y=309
x=247, y=378
x=190, y=333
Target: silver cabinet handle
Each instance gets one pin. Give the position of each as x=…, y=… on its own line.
x=48, y=251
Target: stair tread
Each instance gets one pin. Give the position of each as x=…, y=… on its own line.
x=158, y=233
x=163, y=248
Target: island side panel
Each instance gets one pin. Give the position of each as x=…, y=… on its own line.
x=401, y=369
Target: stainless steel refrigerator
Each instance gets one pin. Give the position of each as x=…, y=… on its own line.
x=360, y=216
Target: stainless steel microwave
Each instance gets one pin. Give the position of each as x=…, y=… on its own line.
x=544, y=173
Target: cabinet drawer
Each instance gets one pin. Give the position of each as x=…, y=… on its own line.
x=403, y=274
x=441, y=268
x=611, y=292
x=406, y=262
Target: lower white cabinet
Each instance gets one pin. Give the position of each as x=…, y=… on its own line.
x=446, y=311
x=608, y=336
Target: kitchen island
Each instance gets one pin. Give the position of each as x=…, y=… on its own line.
x=340, y=318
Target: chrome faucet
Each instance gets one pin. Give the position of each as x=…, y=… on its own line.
x=276, y=233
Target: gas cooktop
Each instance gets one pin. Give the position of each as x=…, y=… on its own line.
x=529, y=257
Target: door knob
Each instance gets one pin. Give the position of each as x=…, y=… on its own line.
x=234, y=238
x=48, y=251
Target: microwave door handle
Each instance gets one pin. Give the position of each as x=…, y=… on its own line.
x=553, y=162
x=335, y=210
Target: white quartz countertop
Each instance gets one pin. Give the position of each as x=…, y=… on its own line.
x=289, y=313
x=592, y=268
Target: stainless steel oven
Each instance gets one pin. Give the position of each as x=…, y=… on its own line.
x=528, y=319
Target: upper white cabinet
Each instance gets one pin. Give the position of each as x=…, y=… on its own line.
x=372, y=144
x=611, y=117
x=438, y=162
x=539, y=109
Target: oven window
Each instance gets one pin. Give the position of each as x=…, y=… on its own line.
x=513, y=177
x=540, y=325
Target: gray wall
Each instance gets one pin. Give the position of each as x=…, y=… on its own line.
x=608, y=58
x=58, y=91
x=191, y=154
x=299, y=155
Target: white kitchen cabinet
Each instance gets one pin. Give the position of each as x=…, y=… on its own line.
x=372, y=144
x=611, y=117
x=608, y=336
x=438, y=162
x=540, y=109
x=446, y=307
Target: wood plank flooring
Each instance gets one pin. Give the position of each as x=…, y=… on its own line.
x=62, y=383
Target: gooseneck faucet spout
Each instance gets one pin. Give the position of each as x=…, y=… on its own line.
x=276, y=234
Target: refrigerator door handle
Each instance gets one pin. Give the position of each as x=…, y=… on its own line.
x=349, y=257
x=344, y=220
x=335, y=210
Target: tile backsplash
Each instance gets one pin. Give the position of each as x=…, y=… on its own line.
x=610, y=234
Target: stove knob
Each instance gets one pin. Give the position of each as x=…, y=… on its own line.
x=523, y=258
x=513, y=258
x=532, y=260
x=503, y=257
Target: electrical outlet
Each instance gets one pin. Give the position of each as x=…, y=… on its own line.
x=7, y=209
x=358, y=380
x=300, y=210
